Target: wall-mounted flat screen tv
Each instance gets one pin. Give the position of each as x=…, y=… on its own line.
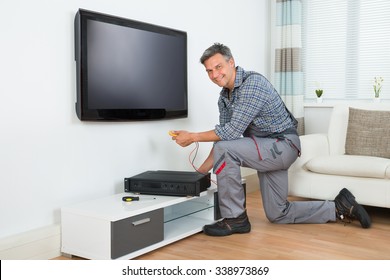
x=129, y=70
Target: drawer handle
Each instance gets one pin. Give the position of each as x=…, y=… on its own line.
x=140, y=222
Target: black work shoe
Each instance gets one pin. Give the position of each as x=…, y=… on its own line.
x=229, y=226
x=347, y=207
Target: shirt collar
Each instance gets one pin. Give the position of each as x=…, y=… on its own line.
x=240, y=73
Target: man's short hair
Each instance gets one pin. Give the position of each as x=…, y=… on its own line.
x=214, y=49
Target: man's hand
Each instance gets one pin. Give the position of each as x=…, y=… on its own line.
x=183, y=138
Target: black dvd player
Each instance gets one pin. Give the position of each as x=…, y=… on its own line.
x=174, y=183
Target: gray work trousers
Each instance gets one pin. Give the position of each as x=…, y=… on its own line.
x=271, y=158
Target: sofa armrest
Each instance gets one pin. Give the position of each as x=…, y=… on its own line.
x=312, y=145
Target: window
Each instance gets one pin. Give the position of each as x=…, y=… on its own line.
x=346, y=43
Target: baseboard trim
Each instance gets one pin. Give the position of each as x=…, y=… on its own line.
x=39, y=244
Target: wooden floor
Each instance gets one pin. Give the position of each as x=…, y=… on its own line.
x=266, y=241
x=331, y=241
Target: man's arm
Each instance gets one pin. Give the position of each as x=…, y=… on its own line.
x=208, y=164
x=185, y=138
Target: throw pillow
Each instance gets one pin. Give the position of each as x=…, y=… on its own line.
x=368, y=133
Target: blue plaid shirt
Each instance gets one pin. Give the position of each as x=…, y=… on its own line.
x=254, y=103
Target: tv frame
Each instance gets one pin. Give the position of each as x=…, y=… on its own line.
x=84, y=113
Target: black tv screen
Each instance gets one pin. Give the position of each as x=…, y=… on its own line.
x=129, y=70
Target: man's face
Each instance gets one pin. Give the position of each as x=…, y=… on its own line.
x=220, y=71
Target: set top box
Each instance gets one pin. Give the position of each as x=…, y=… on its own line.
x=173, y=183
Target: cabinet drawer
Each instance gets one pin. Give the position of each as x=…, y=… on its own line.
x=134, y=233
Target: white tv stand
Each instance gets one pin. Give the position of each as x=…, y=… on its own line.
x=109, y=228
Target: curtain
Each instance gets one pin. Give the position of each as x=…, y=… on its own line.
x=287, y=41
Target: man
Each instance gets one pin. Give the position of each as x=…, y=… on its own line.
x=249, y=106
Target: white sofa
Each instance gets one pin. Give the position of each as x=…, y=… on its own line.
x=329, y=162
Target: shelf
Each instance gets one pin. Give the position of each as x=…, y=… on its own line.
x=87, y=228
x=186, y=208
x=116, y=209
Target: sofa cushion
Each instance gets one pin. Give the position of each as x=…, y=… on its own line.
x=350, y=165
x=368, y=133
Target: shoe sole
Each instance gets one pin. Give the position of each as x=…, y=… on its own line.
x=358, y=211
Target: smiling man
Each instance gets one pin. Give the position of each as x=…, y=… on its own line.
x=256, y=130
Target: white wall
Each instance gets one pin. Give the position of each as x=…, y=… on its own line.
x=48, y=158
x=317, y=117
